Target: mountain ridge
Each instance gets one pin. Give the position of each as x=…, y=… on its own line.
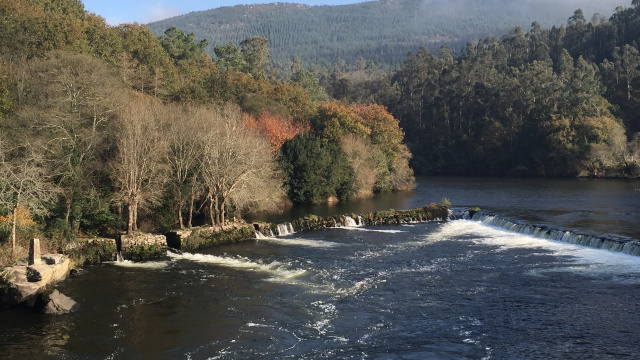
x=383, y=31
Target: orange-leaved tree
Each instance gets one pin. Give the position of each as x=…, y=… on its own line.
x=275, y=128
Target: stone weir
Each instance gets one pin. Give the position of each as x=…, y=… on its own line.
x=389, y=217
x=202, y=238
x=141, y=246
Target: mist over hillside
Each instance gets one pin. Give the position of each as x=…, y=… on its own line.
x=383, y=31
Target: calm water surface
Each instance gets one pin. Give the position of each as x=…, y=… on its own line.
x=439, y=290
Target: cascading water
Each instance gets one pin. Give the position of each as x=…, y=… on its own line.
x=120, y=258
x=350, y=222
x=626, y=246
x=285, y=229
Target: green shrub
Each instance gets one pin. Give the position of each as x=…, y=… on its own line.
x=315, y=170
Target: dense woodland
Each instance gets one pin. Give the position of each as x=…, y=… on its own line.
x=107, y=129
x=548, y=102
x=382, y=31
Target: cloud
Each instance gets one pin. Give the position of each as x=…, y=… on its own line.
x=160, y=12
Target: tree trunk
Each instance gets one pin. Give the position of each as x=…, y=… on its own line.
x=67, y=213
x=193, y=199
x=135, y=215
x=218, y=213
x=222, y=214
x=13, y=232
x=213, y=221
x=131, y=219
x=180, y=220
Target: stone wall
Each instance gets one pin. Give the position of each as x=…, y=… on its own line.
x=142, y=246
x=92, y=250
x=203, y=238
x=390, y=217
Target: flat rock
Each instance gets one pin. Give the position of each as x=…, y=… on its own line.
x=26, y=282
x=54, y=303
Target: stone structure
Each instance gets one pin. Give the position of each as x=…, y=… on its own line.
x=23, y=283
x=142, y=246
x=34, y=252
x=175, y=238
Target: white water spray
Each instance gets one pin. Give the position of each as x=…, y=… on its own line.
x=626, y=246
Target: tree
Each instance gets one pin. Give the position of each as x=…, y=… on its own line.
x=144, y=63
x=627, y=64
x=182, y=128
x=256, y=56
x=24, y=183
x=367, y=163
x=315, y=170
x=6, y=104
x=311, y=84
x=229, y=57
x=274, y=128
x=182, y=47
x=72, y=100
x=139, y=165
x=237, y=165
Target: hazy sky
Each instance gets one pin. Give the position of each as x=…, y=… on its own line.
x=145, y=11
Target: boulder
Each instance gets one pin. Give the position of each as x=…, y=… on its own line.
x=23, y=283
x=54, y=303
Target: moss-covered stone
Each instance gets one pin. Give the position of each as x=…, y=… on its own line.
x=199, y=240
x=93, y=251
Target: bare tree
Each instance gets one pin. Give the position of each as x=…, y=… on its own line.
x=183, y=129
x=71, y=100
x=367, y=162
x=139, y=167
x=24, y=182
x=237, y=165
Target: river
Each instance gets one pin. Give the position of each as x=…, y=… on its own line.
x=440, y=290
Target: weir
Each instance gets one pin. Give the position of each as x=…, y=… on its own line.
x=432, y=212
x=626, y=246
x=285, y=229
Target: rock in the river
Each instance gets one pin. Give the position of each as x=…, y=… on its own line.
x=54, y=303
x=23, y=283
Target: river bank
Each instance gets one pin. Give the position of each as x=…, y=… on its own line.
x=18, y=285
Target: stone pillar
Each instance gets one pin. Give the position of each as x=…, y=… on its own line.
x=34, y=252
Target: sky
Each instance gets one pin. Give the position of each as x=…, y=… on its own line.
x=146, y=11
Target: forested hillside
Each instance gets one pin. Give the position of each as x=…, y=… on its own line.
x=109, y=129
x=562, y=101
x=380, y=31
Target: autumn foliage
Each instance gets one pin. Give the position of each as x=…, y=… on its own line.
x=275, y=128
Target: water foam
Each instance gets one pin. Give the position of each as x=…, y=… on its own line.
x=275, y=268
x=140, y=265
x=353, y=228
x=586, y=259
x=618, y=244
x=302, y=242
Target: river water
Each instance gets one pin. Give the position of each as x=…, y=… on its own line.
x=441, y=290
